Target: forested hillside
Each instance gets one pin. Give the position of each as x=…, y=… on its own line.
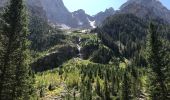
x=126, y=34
x=127, y=57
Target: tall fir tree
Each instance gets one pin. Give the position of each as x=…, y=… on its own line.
x=126, y=88
x=98, y=87
x=16, y=78
x=106, y=90
x=157, y=64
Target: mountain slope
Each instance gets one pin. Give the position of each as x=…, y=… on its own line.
x=34, y=6
x=147, y=9
x=2, y=3
x=54, y=11
x=36, y=9
x=57, y=13
x=83, y=19
x=124, y=34
x=101, y=16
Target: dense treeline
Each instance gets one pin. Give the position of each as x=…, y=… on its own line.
x=55, y=59
x=128, y=59
x=104, y=82
x=158, y=63
x=126, y=35
x=16, y=77
x=91, y=49
x=43, y=36
x=128, y=82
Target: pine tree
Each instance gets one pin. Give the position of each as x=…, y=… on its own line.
x=156, y=62
x=89, y=89
x=126, y=92
x=98, y=87
x=16, y=78
x=106, y=90
x=113, y=84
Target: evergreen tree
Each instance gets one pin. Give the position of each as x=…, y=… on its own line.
x=126, y=93
x=113, y=84
x=89, y=89
x=98, y=87
x=106, y=90
x=74, y=95
x=157, y=63
x=16, y=76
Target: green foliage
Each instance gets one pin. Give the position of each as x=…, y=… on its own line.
x=126, y=92
x=124, y=34
x=42, y=94
x=98, y=87
x=16, y=79
x=100, y=81
x=72, y=79
x=54, y=58
x=157, y=62
x=114, y=65
x=102, y=55
x=90, y=43
x=109, y=70
x=51, y=87
x=43, y=80
x=43, y=36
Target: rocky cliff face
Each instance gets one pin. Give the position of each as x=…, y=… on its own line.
x=55, y=12
x=146, y=9
x=86, y=20
x=36, y=9
x=83, y=19
x=2, y=3
x=58, y=13
x=34, y=6
x=101, y=16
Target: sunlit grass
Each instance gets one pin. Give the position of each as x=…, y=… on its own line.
x=46, y=78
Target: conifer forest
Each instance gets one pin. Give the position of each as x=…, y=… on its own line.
x=49, y=53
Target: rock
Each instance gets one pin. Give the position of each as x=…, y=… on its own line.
x=101, y=16
x=55, y=12
x=146, y=9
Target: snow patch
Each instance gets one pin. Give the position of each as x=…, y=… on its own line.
x=72, y=15
x=63, y=26
x=80, y=23
x=92, y=23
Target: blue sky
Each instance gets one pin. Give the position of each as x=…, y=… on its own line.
x=94, y=6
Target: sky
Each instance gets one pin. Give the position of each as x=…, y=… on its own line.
x=92, y=7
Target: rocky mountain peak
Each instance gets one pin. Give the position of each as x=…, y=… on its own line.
x=101, y=16
x=146, y=9
x=2, y=3
x=109, y=10
x=55, y=12
x=80, y=11
x=55, y=9
x=145, y=3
